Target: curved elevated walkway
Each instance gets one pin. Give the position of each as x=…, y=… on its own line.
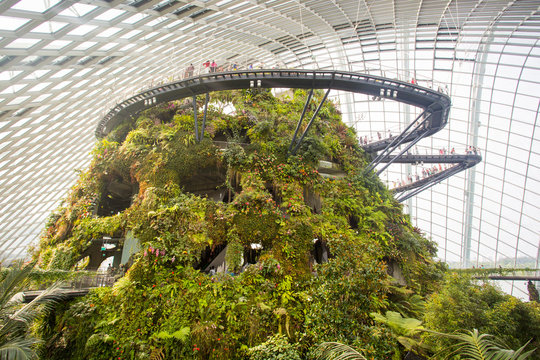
x=467, y=159
x=435, y=105
x=433, y=101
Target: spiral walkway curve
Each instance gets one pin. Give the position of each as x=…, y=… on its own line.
x=435, y=105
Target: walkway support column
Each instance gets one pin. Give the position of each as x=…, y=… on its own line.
x=398, y=140
x=204, y=116
x=301, y=119
x=311, y=121
x=195, y=118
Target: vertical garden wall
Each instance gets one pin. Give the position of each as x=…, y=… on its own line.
x=308, y=251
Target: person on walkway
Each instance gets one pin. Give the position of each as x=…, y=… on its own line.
x=213, y=66
x=190, y=70
x=206, y=66
x=533, y=292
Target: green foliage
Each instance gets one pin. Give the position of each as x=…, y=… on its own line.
x=463, y=304
x=234, y=255
x=275, y=348
x=184, y=199
x=336, y=351
x=181, y=334
x=475, y=346
x=16, y=319
x=405, y=330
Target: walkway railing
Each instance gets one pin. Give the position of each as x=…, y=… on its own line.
x=79, y=286
x=281, y=78
x=458, y=163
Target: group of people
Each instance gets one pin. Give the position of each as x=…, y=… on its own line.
x=212, y=67
x=443, y=151
x=207, y=67
x=426, y=172
x=472, y=150
x=113, y=271
x=365, y=140
x=429, y=171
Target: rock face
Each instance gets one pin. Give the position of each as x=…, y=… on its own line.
x=300, y=242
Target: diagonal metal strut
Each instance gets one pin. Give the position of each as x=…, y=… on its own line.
x=311, y=122
x=409, y=145
x=301, y=119
x=397, y=141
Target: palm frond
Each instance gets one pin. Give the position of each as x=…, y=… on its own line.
x=400, y=325
x=10, y=328
x=475, y=346
x=336, y=351
x=15, y=318
x=13, y=282
x=18, y=349
x=47, y=300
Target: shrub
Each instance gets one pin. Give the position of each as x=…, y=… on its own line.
x=275, y=348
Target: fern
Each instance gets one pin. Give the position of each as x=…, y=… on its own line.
x=474, y=346
x=336, y=351
x=181, y=334
x=157, y=354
